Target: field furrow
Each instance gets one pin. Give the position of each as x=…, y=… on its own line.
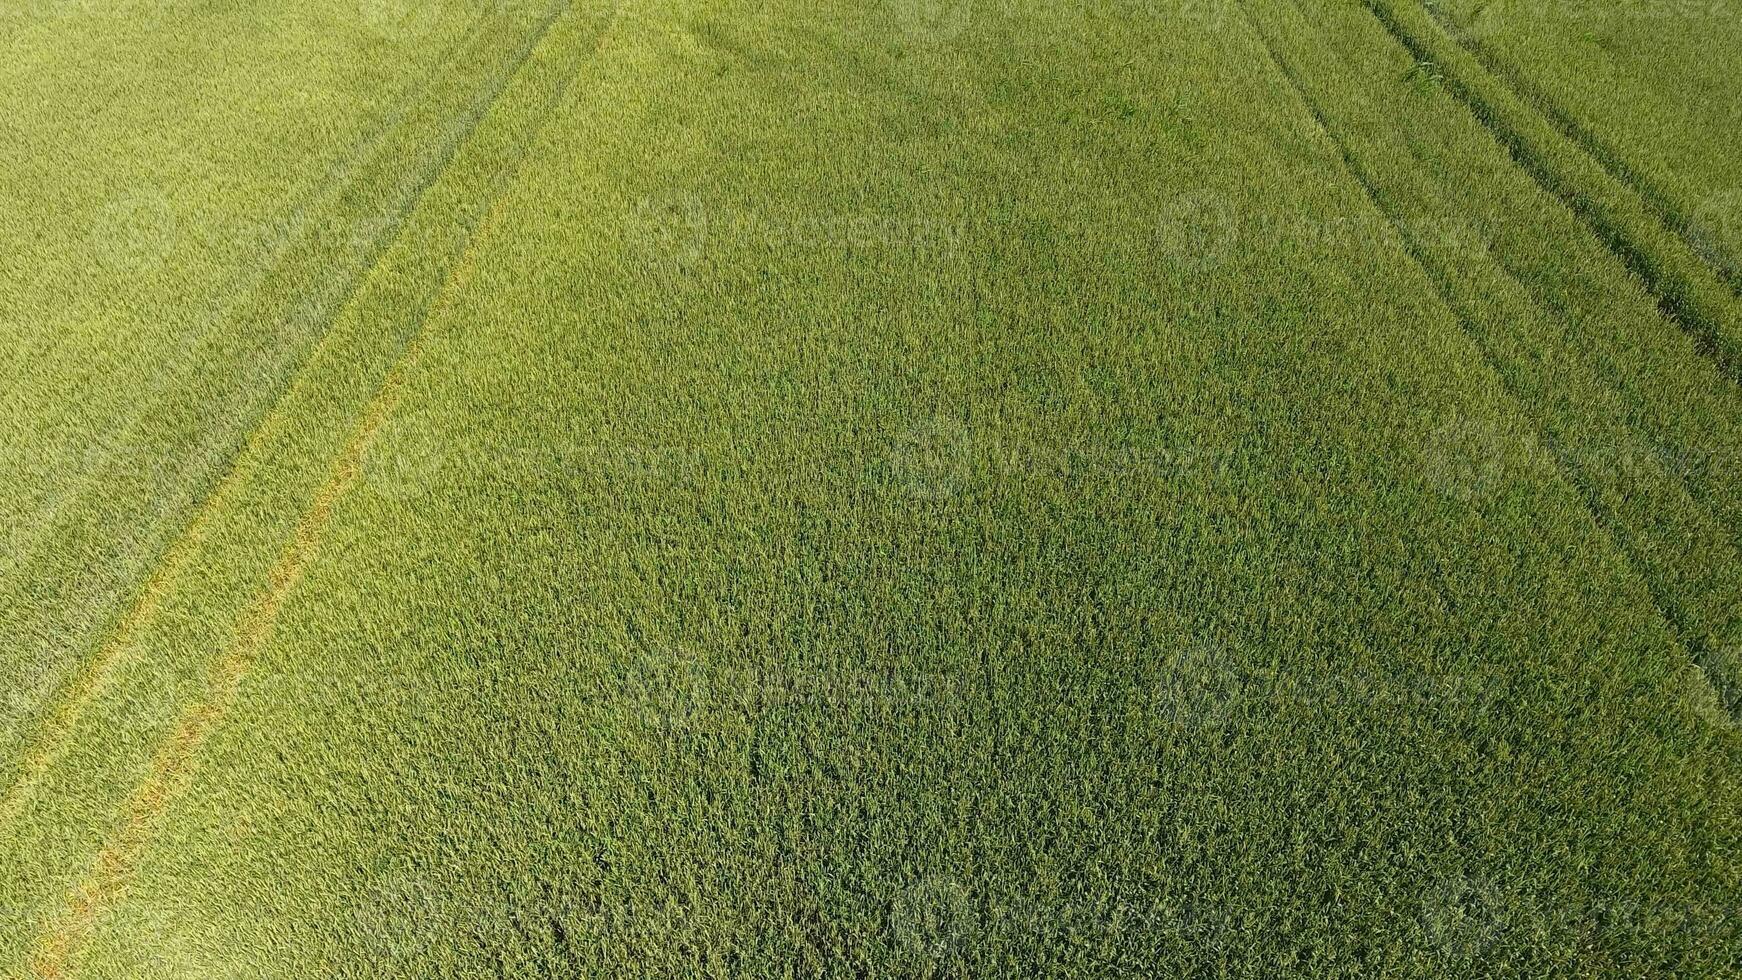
x=1645, y=86
x=1673, y=215
x=197, y=412
x=193, y=606
x=1691, y=295
x=1687, y=558
x=175, y=761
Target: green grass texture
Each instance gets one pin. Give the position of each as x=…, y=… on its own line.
x=889, y=489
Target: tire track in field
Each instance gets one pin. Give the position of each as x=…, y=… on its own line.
x=172, y=769
x=1606, y=375
x=192, y=351
x=295, y=215
x=266, y=298
x=292, y=222
x=1531, y=94
x=1685, y=636
x=51, y=739
x=1688, y=294
x=289, y=225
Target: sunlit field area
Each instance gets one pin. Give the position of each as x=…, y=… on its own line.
x=870, y=489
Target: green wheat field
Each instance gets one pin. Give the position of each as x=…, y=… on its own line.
x=870, y=489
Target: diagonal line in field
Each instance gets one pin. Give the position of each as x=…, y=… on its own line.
x=321, y=301
x=1679, y=630
x=246, y=281
x=292, y=226
x=97, y=670
x=1682, y=301
x=1606, y=374
x=171, y=772
x=1532, y=95
x=228, y=295
x=171, y=769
